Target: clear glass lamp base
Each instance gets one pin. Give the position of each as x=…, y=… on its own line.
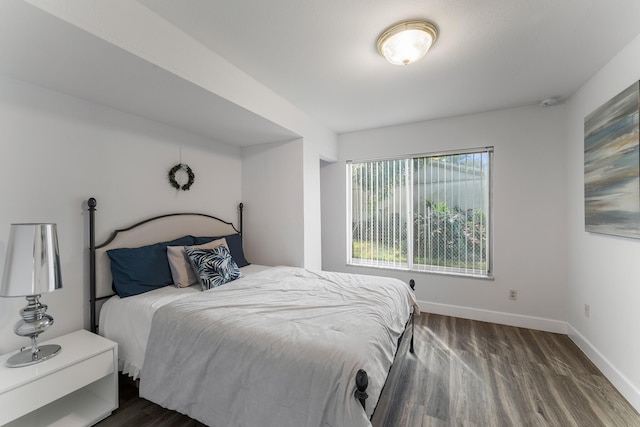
x=27, y=357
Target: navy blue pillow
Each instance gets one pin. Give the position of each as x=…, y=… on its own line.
x=143, y=269
x=234, y=241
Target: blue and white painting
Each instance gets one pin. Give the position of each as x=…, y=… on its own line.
x=612, y=166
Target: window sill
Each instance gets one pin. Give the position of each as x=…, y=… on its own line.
x=443, y=272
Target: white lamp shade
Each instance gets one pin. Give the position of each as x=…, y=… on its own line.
x=32, y=264
x=406, y=42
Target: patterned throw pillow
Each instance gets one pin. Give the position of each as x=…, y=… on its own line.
x=215, y=267
x=181, y=270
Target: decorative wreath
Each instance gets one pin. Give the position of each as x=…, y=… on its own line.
x=172, y=177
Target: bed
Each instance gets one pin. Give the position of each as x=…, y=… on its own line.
x=278, y=346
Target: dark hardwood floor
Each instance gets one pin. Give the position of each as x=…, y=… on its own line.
x=465, y=373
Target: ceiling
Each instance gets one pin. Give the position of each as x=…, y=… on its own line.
x=321, y=57
x=490, y=54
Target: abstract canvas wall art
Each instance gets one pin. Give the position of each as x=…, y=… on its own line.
x=612, y=166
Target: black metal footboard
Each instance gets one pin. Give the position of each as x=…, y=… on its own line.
x=362, y=378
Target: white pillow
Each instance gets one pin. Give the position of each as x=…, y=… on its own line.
x=181, y=270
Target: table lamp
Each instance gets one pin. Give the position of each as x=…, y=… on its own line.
x=32, y=267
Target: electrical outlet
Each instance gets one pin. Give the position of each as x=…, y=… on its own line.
x=587, y=310
x=513, y=294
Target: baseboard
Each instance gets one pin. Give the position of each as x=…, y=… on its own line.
x=502, y=318
x=617, y=378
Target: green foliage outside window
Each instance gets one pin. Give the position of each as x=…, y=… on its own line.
x=443, y=237
x=450, y=237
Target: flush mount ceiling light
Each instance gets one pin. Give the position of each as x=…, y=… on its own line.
x=407, y=41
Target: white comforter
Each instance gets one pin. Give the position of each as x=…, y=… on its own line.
x=127, y=321
x=279, y=348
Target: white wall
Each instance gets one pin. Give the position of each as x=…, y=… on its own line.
x=529, y=212
x=312, y=207
x=132, y=27
x=57, y=151
x=273, y=196
x=603, y=270
x=281, y=194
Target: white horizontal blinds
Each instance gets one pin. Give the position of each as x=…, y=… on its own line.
x=379, y=213
x=451, y=206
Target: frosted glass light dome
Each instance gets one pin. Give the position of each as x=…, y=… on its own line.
x=406, y=42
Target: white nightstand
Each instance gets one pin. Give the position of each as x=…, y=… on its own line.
x=78, y=387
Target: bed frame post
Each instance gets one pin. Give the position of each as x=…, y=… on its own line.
x=362, y=382
x=92, y=262
x=412, y=283
x=240, y=210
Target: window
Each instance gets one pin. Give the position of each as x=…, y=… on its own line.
x=426, y=213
